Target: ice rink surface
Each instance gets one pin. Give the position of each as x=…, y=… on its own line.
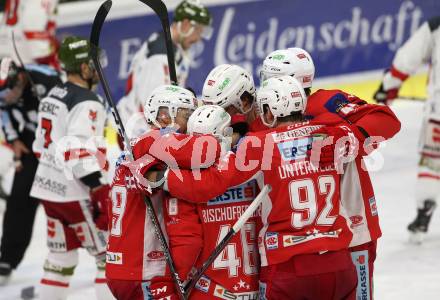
x=403, y=271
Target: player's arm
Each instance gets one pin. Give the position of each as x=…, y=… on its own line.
x=415, y=52
x=84, y=144
x=371, y=119
x=184, y=231
x=199, y=186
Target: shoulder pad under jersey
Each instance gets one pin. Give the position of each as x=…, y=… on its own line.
x=72, y=94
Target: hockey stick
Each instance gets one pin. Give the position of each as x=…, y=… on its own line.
x=28, y=75
x=161, y=11
x=235, y=228
x=94, y=39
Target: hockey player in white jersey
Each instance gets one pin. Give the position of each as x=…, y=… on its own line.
x=149, y=67
x=33, y=23
x=423, y=47
x=70, y=179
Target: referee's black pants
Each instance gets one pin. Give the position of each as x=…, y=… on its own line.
x=19, y=216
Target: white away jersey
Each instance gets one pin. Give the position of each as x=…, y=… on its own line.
x=69, y=143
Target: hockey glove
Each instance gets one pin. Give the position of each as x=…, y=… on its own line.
x=162, y=288
x=333, y=145
x=100, y=198
x=389, y=88
x=139, y=168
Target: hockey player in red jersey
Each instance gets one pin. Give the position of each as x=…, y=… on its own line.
x=421, y=48
x=134, y=254
x=235, y=272
x=71, y=178
x=304, y=240
x=325, y=105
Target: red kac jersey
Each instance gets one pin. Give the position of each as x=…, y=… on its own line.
x=237, y=267
x=301, y=213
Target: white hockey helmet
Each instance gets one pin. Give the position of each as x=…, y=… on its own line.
x=295, y=62
x=212, y=119
x=209, y=119
x=225, y=85
x=168, y=96
x=282, y=96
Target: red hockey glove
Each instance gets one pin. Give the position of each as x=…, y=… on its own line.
x=335, y=144
x=162, y=288
x=139, y=168
x=100, y=197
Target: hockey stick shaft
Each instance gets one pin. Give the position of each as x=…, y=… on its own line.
x=28, y=75
x=161, y=11
x=94, y=38
x=235, y=228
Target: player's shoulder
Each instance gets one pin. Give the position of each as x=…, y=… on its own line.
x=72, y=95
x=156, y=44
x=434, y=23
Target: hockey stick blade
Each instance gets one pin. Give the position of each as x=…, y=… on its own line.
x=99, y=20
x=235, y=228
x=162, y=12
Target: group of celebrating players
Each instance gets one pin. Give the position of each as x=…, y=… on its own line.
x=314, y=235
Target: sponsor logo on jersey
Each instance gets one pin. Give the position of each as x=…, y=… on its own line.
x=222, y=293
x=271, y=240
x=50, y=185
x=294, y=133
x=156, y=255
x=295, y=149
x=245, y=192
x=58, y=92
x=113, y=258
x=262, y=290
x=292, y=240
x=373, y=206
x=173, y=207
x=356, y=221
x=203, y=284
x=360, y=260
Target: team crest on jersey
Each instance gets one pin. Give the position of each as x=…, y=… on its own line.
x=272, y=240
x=203, y=284
x=93, y=114
x=113, y=258
x=295, y=149
x=336, y=103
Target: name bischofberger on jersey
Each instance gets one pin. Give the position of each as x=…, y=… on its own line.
x=232, y=204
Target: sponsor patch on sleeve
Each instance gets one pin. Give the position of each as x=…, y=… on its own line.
x=203, y=284
x=272, y=240
x=373, y=206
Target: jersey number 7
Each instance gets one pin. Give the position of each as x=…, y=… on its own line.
x=46, y=124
